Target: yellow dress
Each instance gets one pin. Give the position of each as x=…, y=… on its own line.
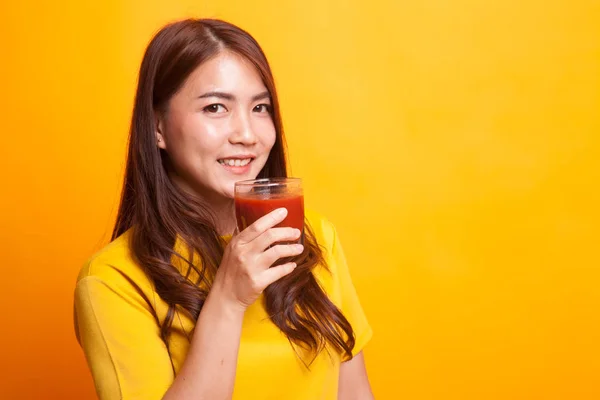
x=115, y=323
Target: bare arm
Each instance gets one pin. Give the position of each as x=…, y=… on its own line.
x=209, y=369
x=353, y=382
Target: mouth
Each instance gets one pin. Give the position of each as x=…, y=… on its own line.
x=237, y=165
x=235, y=162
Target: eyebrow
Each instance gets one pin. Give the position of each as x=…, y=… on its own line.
x=262, y=96
x=231, y=97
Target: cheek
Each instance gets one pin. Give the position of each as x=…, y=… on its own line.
x=198, y=136
x=268, y=135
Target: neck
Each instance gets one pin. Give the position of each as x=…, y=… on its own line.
x=223, y=208
x=224, y=211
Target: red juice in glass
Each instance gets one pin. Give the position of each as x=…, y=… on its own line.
x=255, y=199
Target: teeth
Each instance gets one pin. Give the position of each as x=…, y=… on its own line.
x=235, y=162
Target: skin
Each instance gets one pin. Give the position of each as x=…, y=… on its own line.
x=222, y=111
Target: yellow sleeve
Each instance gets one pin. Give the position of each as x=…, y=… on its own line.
x=350, y=304
x=120, y=338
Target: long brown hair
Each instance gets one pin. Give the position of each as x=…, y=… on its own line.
x=159, y=212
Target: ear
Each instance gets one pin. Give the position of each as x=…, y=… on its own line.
x=160, y=137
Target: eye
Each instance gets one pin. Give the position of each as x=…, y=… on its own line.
x=262, y=108
x=215, y=108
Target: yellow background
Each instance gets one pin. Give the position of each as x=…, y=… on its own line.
x=454, y=144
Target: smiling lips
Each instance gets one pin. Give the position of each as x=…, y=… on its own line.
x=237, y=165
x=235, y=162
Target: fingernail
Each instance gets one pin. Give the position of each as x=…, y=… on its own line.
x=297, y=232
x=282, y=211
x=299, y=247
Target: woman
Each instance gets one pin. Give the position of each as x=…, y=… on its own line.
x=177, y=307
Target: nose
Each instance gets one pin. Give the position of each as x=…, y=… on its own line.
x=242, y=131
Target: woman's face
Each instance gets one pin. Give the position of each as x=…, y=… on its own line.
x=218, y=127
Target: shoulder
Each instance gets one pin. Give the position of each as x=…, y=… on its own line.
x=322, y=228
x=327, y=238
x=113, y=264
x=328, y=273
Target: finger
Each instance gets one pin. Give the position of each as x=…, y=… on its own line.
x=273, y=274
x=262, y=224
x=270, y=256
x=275, y=235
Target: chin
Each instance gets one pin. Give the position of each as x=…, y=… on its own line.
x=228, y=191
x=227, y=186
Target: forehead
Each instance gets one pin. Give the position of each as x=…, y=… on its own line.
x=227, y=72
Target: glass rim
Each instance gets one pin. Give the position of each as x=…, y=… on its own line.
x=267, y=182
